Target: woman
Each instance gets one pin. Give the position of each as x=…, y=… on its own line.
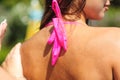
x=66, y=48
x=79, y=52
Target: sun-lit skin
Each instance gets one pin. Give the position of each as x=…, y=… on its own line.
x=93, y=53
x=95, y=9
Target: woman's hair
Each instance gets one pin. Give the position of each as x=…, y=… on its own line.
x=67, y=7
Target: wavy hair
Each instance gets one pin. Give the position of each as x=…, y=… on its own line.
x=67, y=7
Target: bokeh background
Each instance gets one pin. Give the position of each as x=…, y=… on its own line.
x=24, y=16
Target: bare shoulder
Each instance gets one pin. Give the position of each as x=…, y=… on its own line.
x=97, y=41
x=105, y=37
x=38, y=39
x=32, y=52
x=95, y=38
x=108, y=44
x=105, y=41
x=36, y=44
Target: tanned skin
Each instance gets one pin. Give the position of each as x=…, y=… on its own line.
x=93, y=53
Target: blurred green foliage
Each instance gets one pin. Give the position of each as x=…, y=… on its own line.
x=10, y=4
x=16, y=13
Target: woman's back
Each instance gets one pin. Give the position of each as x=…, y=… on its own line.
x=88, y=57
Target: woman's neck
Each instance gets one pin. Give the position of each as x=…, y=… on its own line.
x=74, y=18
x=83, y=17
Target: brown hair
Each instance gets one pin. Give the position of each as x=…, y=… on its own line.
x=68, y=7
